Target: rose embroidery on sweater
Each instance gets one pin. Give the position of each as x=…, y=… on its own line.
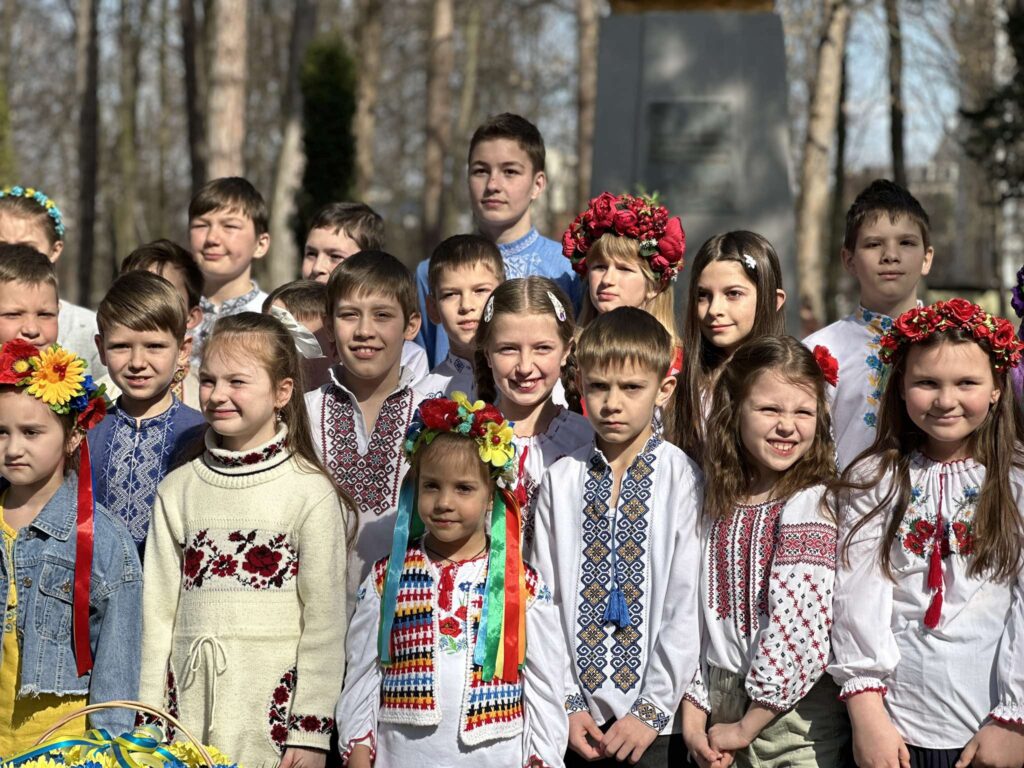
x=239, y=559
x=277, y=716
x=311, y=724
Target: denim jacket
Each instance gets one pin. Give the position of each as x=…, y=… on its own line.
x=44, y=555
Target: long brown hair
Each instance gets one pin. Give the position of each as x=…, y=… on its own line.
x=702, y=358
x=994, y=445
x=728, y=474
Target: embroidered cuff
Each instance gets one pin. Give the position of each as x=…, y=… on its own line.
x=1008, y=714
x=862, y=685
x=650, y=714
x=309, y=731
x=700, y=704
x=697, y=693
x=774, y=706
x=535, y=762
x=369, y=740
x=575, y=703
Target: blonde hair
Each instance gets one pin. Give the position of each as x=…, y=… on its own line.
x=142, y=301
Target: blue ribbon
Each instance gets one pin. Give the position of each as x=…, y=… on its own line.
x=139, y=749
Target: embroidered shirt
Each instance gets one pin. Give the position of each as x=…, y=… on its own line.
x=130, y=458
x=531, y=254
x=251, y=301
x=642, y=669
x=940, y=684
x=431, y=699
x=455, y=374
x=766, y=596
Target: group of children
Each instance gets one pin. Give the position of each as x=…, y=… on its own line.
x=580, y=537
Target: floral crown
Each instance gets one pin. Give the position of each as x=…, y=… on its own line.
x=662, y=239
x=57, y=377
x=956, y=314
x=48, y=205
x=481, y=421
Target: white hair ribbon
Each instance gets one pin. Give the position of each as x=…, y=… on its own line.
x=749, y=261
x=305, y=341
x=559, y=309
x=489, y=309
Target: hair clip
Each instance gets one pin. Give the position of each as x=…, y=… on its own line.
x=749, y=261
x=305, y=341
x=489, y=309
x=559, y=309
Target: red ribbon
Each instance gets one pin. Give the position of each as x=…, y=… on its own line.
x=931, y=616
x=83, y=563
x=513, y=581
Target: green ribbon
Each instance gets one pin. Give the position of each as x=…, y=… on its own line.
x=489, y=638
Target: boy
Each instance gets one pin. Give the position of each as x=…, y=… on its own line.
x=886, y=248
x=299, y=305
x=228, y=230
x=142, y=342
x=29, y=305
x=359, y=418
x=617, y=539
x=464, y=269
x=505, y=176
x=176, y=265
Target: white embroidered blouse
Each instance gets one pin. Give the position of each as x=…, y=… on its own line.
x=941, y=683
x=649, y=546
x=454, y=374
x=766, y=596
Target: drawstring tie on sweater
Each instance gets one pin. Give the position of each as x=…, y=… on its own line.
x=218, y=663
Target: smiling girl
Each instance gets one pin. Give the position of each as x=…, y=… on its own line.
x=768, y=565
x=244, y=585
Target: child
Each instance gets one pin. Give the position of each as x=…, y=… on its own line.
x=523, y=345
x=142, y=342
x=339, y=230
x=71, y=623
x=505, y=174
x=886, y=248
x=300, y=306
x=768, y=567
x=436, y=658
x=29, y=217
x=359, y=418
x=735, y=295
x=29, y=306
x=617, y=538
x=244, y=598
x=176, y=265
x=610, y=246
x=464, y=269
x=228, y=229
x=929, y=617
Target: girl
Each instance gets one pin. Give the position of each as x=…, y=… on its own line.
x=436, y=659
x=929, y=619
x=735, y=295
x=629, y=251
x=523, y=343
x=769, y=565
x=71, y=624
x=244, y=592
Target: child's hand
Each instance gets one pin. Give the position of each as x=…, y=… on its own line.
x=628, y=739
x=876, y=742
x=582, y=726
x=359, y=757
x=304, y=757
x=701, y=751
x=728, y=737
x=996, y=745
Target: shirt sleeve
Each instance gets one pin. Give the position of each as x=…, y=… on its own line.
x=864, y=650
x=1010, y=661
x=546, y=731
x=791, y=650
x=697, y=692
x=356, y=713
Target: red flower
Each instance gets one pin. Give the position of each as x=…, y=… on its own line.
x=625, y=221
x=262, y=561
x=224, y=566
x=672, y=244
x=11, y=352
x=93, y=413
x=193, y=561
x=962, y=310
x=281, y=694
x=907, y=325
x=1004, y=335
x=828, y=364
x=604, y=207
x=461, y=613
x=278, y=733
x=310, y=723
x=568, y=243
x=924, y=528
x=982, y=332
x=450, y=627
x=439, y=413
x=489, y=413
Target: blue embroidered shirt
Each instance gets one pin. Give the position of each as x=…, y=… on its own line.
x=129, y=459
x=532, y=254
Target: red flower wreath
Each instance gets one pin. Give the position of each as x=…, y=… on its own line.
x=828, y=364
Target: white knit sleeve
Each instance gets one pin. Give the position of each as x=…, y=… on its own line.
x=356, y=713
x=546, y=731
x=1010, y=662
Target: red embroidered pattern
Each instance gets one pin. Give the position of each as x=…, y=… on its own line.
x=277, y=716
x=170, y=706
x=239, y=559
x=233, y=461
x=311, y=724
x=373, y=478
x=812, y=543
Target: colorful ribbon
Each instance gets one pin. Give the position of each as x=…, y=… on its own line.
x=83, y=563
x=139, y=749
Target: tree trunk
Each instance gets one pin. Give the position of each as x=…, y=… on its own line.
x=130, y=29
x=812, y=203
x=586, y=97
x=368, y=36
x=163, y=129
x=86, y=84
x=441, y=61
x=467, y=107
x=833, y=263
x=194, y=93
x=8, y=164
x=225, y=104
x=899, y=166
x=282, y=266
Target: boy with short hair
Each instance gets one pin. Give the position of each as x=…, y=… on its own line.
x=464, y=269
x=300, y=305
x=29, y=303
x=505, y=175
x=617, y=538
x=886, y=248
x=360, y=417
x=142, y=342
x=228, y=230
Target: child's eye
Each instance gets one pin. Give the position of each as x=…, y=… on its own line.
x=238, y=382
x=771, y=409
x=465, y=488
x=806, y=413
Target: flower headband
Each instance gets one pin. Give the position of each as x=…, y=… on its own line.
x=662, y=239
x=827, y=363
x=57, y=377
x=48, y=205
x=956, y=314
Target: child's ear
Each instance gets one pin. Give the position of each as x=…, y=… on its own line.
x=74, y=440
x=540, y=182
x=98, y=338
x=926, y=265
x=665, y=390
x=412, y=326
x=432, y=313
x=780, y=299
x=195, y=317
x=184, y=351
x=847, y=259
x=262, y=245
x=996, y=394
x=284, y=393
x=56, y=251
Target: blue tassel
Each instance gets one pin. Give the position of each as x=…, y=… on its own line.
x=617, y=611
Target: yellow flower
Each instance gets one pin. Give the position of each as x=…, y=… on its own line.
x=496, y=444
x=22, y=366
x=58, y=376
x=463, y=401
